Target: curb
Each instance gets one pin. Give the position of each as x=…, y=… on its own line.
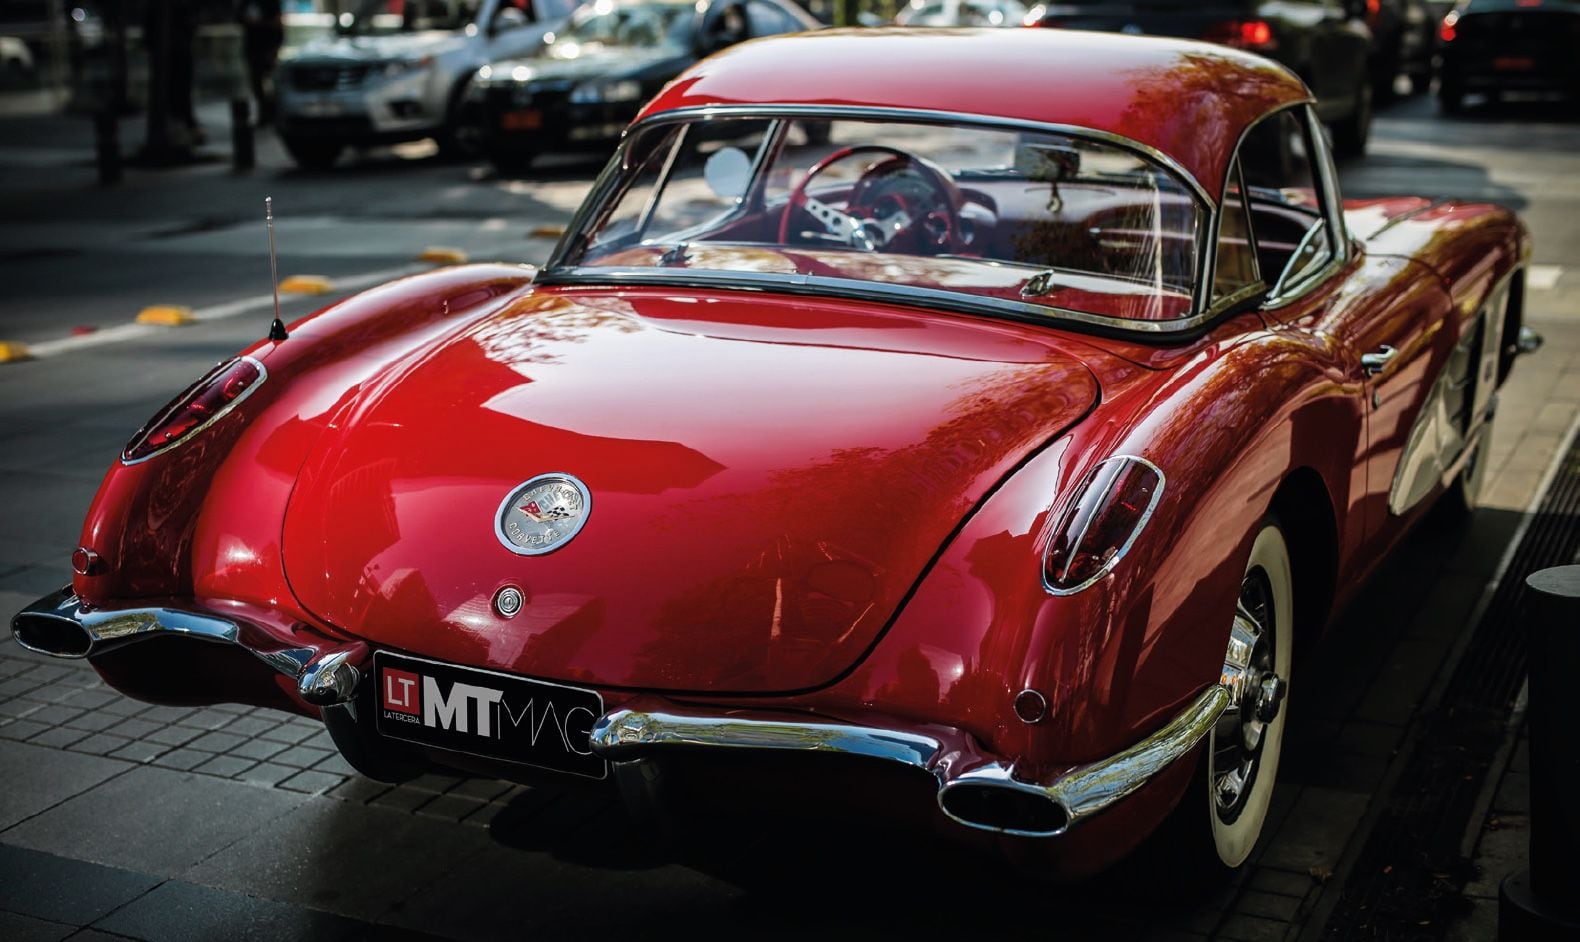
x=166, y=315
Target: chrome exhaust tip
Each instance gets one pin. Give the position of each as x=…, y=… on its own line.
x=51, y=634
x=1005, y=808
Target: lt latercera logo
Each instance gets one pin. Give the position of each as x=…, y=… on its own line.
x=489, y=714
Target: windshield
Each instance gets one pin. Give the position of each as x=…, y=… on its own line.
x=369, y=17
x=604, y=25
x=1055, y=220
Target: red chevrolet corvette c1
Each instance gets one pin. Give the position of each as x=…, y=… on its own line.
x=983, y=417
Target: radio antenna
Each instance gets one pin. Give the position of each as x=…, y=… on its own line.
x=276, y=329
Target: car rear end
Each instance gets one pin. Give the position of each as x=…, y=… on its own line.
x=1496, y=46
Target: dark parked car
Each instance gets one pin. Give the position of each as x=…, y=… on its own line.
x=1403, y=40
x=580, y=89
x=1326, y=42
x=1494, y=46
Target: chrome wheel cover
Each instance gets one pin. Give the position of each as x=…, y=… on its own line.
x=1256, y=696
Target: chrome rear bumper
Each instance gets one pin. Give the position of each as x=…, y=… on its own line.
x=974, y=788
x=63, y=625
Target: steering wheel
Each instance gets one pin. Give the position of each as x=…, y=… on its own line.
x=902, y=202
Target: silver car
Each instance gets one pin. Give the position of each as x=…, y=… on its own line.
x=389, y=77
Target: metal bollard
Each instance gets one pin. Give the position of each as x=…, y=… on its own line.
x=242, y=155
x=107, y=146
x=1540, y=902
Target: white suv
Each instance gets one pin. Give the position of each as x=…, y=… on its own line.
x=390, y=77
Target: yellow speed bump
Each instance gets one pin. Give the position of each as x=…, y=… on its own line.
x=166, y=315
x=11, y=351
x=546, y=232
x=440, y=255
x=307, y=284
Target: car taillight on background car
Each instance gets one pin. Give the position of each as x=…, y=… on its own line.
x=201, y=405
x=1100, y=523
x=1254, y=35
x=1447, y=32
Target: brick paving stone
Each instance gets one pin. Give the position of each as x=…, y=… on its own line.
x=17, y=706
x=450, y=807
x=95, y=720
x=217, y=742
x=358, y=790
x=288, y=733
x=231, y=707
x=1282, y=882
x=93, y=697
x=16, y=686
x=258, y=749
x=183, y=759
x=134, y=728
x=18, y=928
x=311, y=782
x=165, y=714
x=403, y=799
x=303, y=757
x=139, y=751
x=21, y=729
x=173, y=735
x=1241, y=928
x=207, y=718
x=47, y=673
x=1268, y=905
x=483, y=789
x=99, y=744
x=124, y=706
x=320, y=740
x=54, y=714
x=59, y=737
x=225, y=766
x=484, y=816
x=433, y=783
x=249, y=726
x=335, y=764
x=268, y=773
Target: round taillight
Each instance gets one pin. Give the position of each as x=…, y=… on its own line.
x=201, y=405
x=84, y=561
x=1100, y=523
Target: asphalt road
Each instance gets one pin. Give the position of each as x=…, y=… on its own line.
x=77, y=263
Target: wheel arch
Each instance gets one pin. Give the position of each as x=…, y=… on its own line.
x=1305, y=512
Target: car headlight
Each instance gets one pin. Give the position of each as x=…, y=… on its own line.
x=1099, y=523
x=201, y=405
x=591, y=92
x=402, y=67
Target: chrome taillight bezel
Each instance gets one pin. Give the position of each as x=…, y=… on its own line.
x=1061, y=520
x=183, y=400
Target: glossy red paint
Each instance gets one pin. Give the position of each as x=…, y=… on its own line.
x=835, y=508
x=1189, y=100
x=742, y=567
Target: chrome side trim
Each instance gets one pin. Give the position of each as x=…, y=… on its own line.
x=324, y=674
x=1089, y=789
x=625, y=732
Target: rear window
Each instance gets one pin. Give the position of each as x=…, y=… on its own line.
x=1060, y=221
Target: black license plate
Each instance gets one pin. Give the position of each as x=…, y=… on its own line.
x=484, y=713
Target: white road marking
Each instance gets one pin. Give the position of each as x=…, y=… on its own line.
x=1543, y=277
x=215, y=312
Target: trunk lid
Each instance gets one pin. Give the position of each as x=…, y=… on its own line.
x=768, y=477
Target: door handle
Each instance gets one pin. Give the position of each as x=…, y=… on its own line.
x=1374, y=363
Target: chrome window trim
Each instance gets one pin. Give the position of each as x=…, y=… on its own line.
x=1114, y=560
x=555, y=271
x=263, y=376
x=863, y=290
